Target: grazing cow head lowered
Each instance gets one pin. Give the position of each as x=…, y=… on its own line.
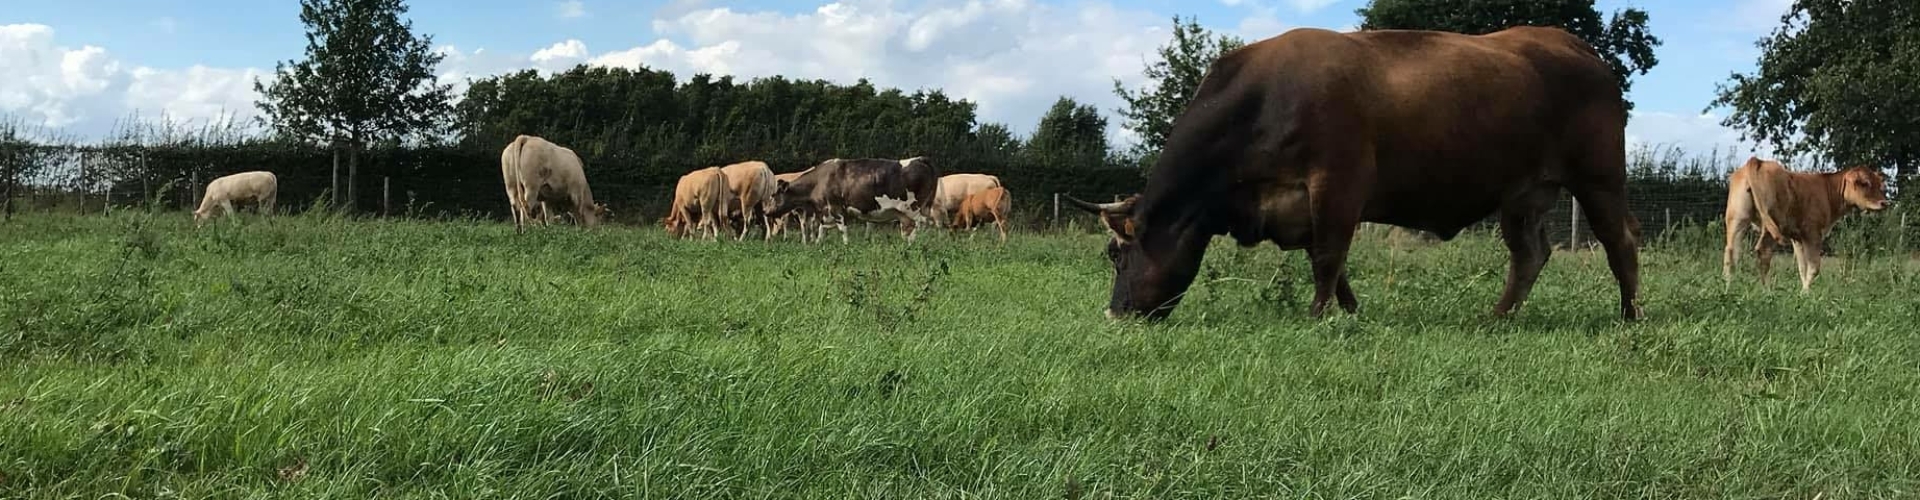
x=1148, y=276
x=1300, y=138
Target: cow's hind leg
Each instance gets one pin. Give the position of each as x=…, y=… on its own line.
x=1333, y=229
x=1523, y=227
x=1763, y=257
x=1807, y=256
x=1739, y=216
x=1337, y=203
x=1605, y=205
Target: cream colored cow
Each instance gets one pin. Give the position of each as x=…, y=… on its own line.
x=257, y=188
x=537, y=171
x=955, y=189
x=700, y=199
x=752, y=183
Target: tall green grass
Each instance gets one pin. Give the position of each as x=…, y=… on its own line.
x=322, y=357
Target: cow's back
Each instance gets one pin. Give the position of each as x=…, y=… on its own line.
x=751, y=180
x=243, y=185
x=922, y=179
x=550, y=166
x=1449, y=121
x=855, y=183
x=955, y=188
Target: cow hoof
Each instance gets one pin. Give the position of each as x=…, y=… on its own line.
x=1633, y=313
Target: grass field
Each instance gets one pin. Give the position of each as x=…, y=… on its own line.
x=308, y=357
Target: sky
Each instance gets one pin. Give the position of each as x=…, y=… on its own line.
x=81, y=66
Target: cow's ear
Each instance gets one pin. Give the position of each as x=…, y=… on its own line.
x=1118, y=217
x=780, y=186
x=1120, y=224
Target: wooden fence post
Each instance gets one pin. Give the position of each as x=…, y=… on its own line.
x=193, y=187
x=385, y=190
x=1573, y=240
x=1056, y=211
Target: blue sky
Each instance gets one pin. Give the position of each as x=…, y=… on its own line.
x=89, y=62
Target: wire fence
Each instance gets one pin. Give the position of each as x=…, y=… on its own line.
x=1676, y=198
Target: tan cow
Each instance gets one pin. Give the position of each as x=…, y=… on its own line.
x=992, y=205
x=804, y=217
x=537, y=171
x=700, y=199
x=1795, y=207
x=257, y=188
x=752, y=183
x=953, y=190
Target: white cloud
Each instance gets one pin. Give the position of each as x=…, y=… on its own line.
x=1693, y=133
x=1012, y=57
x=197, y=92
x=571, y=9
x=86, y=90
x=561, y=53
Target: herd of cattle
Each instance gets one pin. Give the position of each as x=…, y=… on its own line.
x=1293, y=140
x=711, y=201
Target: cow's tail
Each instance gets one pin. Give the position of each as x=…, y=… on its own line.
x=509, y=174
x=1004, y=205
x=1768, y=189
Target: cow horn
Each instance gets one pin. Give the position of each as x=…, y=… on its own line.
x=1094, y=207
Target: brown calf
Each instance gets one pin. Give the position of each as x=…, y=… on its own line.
x=990, y=205
x=1794, y=207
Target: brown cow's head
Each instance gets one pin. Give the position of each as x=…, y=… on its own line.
x=1152, y=267
x=1865, y=187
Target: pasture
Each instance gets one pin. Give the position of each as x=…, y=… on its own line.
x=316, y=357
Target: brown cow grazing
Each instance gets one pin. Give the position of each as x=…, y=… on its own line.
x=700, y=199
x=752, y=183
x=1795, y=207
x=537, y=171
x=869, y=189
x=992, y=205
x=1299, y=138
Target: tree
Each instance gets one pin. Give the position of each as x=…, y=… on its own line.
x=1836, y=77
x=1623, y=40
x=366, y=78
x=1070, y=136
x=1171, y=82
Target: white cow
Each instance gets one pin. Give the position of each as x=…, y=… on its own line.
x=953, y=190
x=537, y=172
x=257, y=188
